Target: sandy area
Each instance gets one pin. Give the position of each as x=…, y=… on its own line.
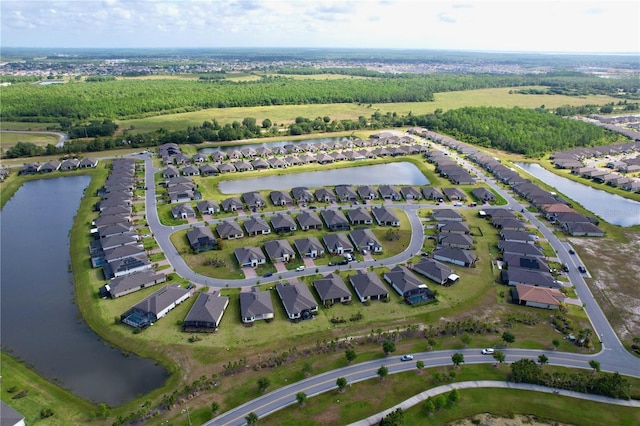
x=491, y=420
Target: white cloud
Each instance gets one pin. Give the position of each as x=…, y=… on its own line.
x=558, y=25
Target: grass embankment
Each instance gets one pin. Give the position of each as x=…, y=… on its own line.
x=8, y=140
x=286, y=114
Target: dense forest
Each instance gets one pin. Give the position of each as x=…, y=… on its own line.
x=121, y=99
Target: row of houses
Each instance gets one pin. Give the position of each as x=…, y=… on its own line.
x=55, y=165
x=116, y=246
x=454, y=240
x=449, y=169
x=299, y=153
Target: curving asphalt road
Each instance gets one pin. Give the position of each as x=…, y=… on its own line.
x=613, y=357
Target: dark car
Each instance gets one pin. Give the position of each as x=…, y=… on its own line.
x=343, y=262
x=571, y=251
x=268, y=274
x=582, y=269
x=313, y=207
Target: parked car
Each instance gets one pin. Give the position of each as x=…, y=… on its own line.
x=343, y=262
x=582, y=269
x=268, y=274
x=406, y=357
x=487, y=351
x=313, y=207
x=300, y=268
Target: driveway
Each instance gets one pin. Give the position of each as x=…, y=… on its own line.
x=308, y=262
x=249, y=272
x=280, y=266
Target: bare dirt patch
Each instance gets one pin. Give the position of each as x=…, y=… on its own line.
x=615, y=269
x=491, y=420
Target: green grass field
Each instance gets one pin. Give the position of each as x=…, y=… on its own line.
x=7, y=140
x=285, y=114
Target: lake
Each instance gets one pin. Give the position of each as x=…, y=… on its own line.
x=40, y=324
x=612, y=208
x=401, y=173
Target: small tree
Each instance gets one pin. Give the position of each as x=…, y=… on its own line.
x=350, y=354
x=453, y=397
x=543, y=360
x=251, y=419
x=388, y=346
x=555, y=343
x=440, y=401
x=263, y=384
x=383, y=372
x=508, y=337
x=214, y=407
x=394, y=418
x=457, y=359
x=301, y=397
x=465, y=339
x=499, y=356
x=429, y=406
x=341, y=383
x=420, y=365
x=595, y=365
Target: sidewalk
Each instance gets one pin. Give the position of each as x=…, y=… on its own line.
x=417, y=399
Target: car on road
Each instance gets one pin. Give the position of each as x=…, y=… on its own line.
x=487, y=351
x=582, y=269
x=571, y=251
x=268, y=274
x=343, y=262
x=406, y=357
x=300, y=268
x=313, y=207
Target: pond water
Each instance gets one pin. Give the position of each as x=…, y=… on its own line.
x=40, y=324
x=612, y=208
x=401, y=173
x=271, y=145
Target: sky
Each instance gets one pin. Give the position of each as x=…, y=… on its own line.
x=479, y=25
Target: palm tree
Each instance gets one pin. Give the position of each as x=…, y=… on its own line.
x=251, y=419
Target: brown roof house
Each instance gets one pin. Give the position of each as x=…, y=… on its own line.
x=539, y=297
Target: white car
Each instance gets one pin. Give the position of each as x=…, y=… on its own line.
x=487, y=351
x=300, y=268
x=406, y=357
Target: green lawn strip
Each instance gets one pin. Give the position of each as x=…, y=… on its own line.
x=39, y=139
x=67, y=408
x=28, y=126
x=363, y=399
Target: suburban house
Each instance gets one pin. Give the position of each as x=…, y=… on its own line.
x=190, y=170
x=208, y=207
x=206, y=313
x=431, y=193
x=384, y=216
x=388, y=192
x=199, y=158
x=279, y=198
x=442, y=215
x=331, y=289
x=583, y=229
x=539, y=297
x=325, y=195
x=226, y=168
x=201, y=239
x=452, y=227
x=407, y=285
x=155, y=306
x=517, y=237
x=302, y=194
x=455, y=255
x=368, y=286
x=309, y=220
x=170, y=172
x=345, y=193
x=309, y=247
x=335, y=220
x=517, y=261
x=50, y=166
x=279, y=251
x=410, y=193
x=297, y=300
x=255, y=305
x=514, y=276
x=131, y=283
x=454, y=194
x=509, y=224
x=231, y=204
x=337, y=243
x=126, y=265
x=229, y=230
x=218, y=156
x=254, y=200
x=249, y=257
x=449, y=239
x=434, y=270
x=359, y=216
x=483, y=195
x=367, y=192
x=256, y=226
x=208, y=170
x=521, y=249
x=259, y=164
x=283, y=223
x=364, y=240
x=183, y=211
x=243, y=166
x=88, y=163
x=182, y=193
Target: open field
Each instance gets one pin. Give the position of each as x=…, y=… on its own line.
x=7, y=140
x=285, y=114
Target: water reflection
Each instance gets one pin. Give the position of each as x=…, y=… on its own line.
x=610, y=207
